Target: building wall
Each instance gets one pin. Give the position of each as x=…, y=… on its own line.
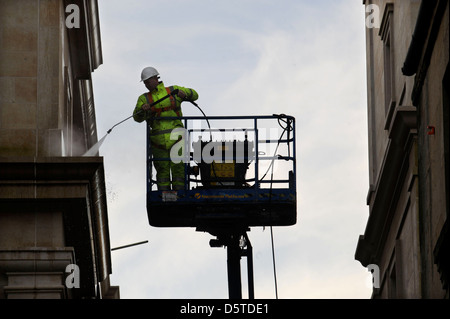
x=42, y=90
x=30, y=71
x=399, y=26
x=408, y=193
x=432, y=158
x=52, y=203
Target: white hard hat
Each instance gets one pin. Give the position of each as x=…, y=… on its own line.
x=148, y=73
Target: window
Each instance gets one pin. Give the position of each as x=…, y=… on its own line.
x=67, y=114
x=392, y=283
x=387, y=36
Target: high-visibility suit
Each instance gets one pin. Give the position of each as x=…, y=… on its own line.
x=160, y=135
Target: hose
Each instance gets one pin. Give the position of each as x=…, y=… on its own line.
x=206, y=118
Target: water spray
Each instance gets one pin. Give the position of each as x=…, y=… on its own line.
x=94, y=149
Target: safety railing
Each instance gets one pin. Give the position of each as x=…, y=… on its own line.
x=230, y=152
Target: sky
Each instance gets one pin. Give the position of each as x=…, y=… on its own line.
x=243, y=57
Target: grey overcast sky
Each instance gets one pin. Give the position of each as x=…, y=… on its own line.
x=243, y=57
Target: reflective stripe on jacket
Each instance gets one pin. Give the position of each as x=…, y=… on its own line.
x=170, y=107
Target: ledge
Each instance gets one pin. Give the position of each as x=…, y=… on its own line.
x=74, y=187
x=384, y=194
x=49, y=168
x=36, y=259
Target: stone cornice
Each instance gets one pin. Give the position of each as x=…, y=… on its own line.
x=74, y=186
x=382, y=197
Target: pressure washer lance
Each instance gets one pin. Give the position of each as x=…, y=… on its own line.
x=94, y=149
x=174, y=92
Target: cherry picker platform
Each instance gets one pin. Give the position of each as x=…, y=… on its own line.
x=239, y=173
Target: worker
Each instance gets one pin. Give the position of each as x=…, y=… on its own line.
x=168, y=173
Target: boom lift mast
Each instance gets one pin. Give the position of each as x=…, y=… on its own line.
x=219, y=197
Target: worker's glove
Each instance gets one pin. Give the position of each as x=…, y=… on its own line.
x=181, y=95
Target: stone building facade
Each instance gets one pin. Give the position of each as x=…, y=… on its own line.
x=54, y=236
x=406, y=240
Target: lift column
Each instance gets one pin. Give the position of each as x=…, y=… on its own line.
x=236, y=241
x=223, y=201
x=234, y=266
